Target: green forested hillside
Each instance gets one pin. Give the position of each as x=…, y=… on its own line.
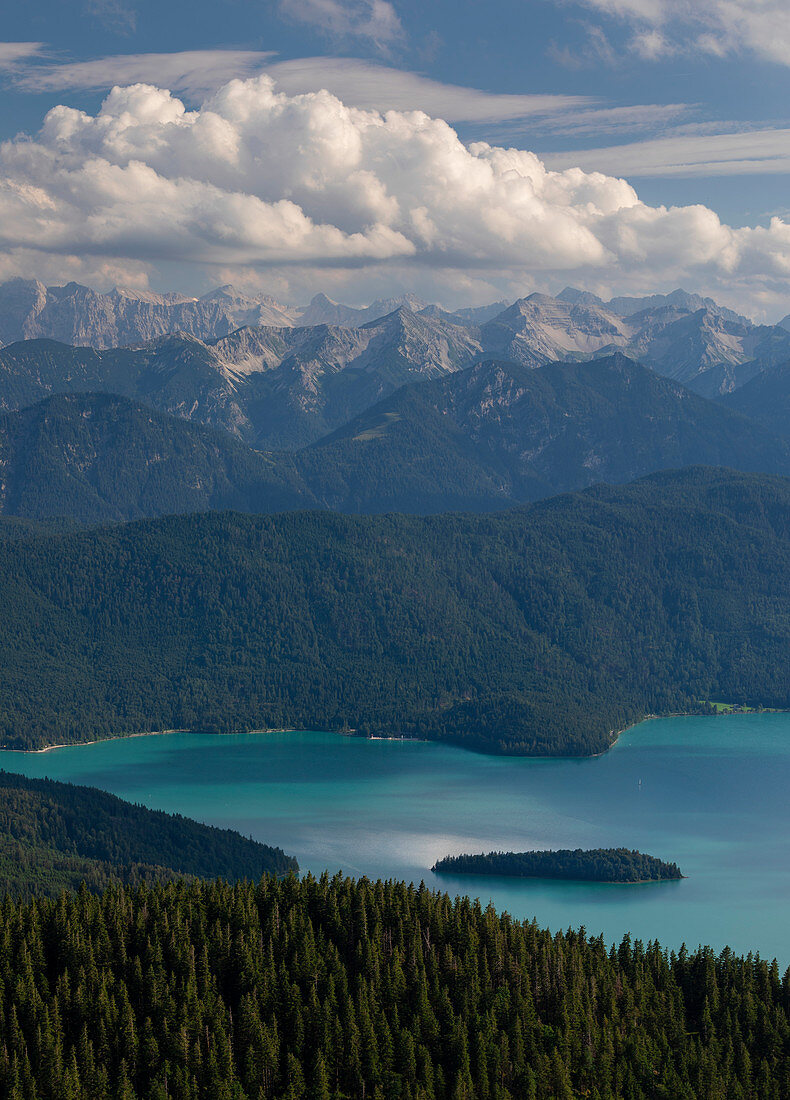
x=97, y=457
x=55, y=836
x=765, y=398
x=540, y=630
x=333, y=990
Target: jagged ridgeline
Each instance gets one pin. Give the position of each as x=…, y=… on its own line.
x=540, y=630
x=578, y=864
x=54, y=836
x=332, y=989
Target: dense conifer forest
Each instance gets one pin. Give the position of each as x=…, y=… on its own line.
x=332, y=989
x=592, y=865
x=540, y=630
x=56, y=835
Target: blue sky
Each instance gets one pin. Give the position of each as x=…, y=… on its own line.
x=689, y=108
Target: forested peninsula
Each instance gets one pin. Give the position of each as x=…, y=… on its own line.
x=581, y=865
x=56, y=836
x=542, y=630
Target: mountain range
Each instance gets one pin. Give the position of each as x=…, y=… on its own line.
x=76, y=314
x=272, y=387
x=481, y=439
x=417, y=410
x=684, y=336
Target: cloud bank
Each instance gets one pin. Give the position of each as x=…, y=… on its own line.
x=197, y=73
x=375, y=20
x=713, y=27
x=687, y=154
x=297, y=190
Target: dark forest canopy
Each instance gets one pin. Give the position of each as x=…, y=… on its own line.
x=540, y=630
x=332, y=990
x=56, y=835
x=584, y=865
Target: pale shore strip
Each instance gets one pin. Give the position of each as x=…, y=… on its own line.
x=98, y=741
x=129, y=736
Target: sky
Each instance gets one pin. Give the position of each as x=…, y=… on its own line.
x=466, y=152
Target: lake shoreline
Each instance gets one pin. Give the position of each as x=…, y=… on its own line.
x=131, y=736
x=615, y=736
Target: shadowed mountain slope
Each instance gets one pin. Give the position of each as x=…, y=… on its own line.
x=56, y=835
x=98, y=457
x=765, y=398
x=479, y=440
x=499, y=433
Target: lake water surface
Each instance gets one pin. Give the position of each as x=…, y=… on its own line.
x=708, y=793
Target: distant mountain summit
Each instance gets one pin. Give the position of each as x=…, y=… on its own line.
x=680, y=335
x=541, y=329
x=323, y=311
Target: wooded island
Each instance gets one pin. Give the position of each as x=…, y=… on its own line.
x=593, y=865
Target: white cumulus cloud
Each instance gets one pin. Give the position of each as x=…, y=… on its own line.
x=303, y=188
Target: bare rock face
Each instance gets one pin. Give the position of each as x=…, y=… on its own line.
x=305, y=382
x=21, y=302
x=680, y=335
x=540, y=329
x=324, y=311
x=274, y=387
x=78, y=315
x=75, y=314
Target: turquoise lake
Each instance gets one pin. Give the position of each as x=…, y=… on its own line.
x=708, y=793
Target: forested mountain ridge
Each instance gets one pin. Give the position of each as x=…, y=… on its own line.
x=98, y=458
x=332, y=989
x=499, y=433
x=482, y=439
x=765, y=399
x=56, y=835
x=540, y=630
